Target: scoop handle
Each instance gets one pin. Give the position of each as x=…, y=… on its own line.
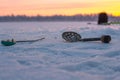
x=91, y=39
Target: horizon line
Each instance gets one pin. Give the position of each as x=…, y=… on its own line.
x=59, y=15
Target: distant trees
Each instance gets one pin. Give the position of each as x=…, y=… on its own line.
x=48, y=18
x=92, y=17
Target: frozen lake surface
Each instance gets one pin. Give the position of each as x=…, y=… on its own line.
x=55, y=59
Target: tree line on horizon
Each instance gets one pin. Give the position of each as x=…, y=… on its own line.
x=80, y=17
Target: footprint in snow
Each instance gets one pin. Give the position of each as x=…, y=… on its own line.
x=23, y=62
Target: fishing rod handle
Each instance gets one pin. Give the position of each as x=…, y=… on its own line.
x=91, y=39
x=104, y=39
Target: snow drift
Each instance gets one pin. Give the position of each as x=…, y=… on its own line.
x=55, y=59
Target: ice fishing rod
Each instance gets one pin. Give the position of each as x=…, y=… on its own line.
x=75, y=37
x=12, y=41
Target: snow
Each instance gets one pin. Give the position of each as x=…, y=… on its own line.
x=55, y=59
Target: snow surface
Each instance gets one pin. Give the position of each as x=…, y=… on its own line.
x=55, y=59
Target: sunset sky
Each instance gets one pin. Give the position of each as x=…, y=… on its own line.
x=58, y=7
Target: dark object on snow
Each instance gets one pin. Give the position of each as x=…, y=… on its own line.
x=104, y=39
x=71, y=36
x=102, y=18
x=75, y=37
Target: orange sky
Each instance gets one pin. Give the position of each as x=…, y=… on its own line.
x=58, y=7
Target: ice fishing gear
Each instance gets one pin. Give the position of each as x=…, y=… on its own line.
x=71, y=36
x=12, y=42
x=75, y=37
x=8, y=42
